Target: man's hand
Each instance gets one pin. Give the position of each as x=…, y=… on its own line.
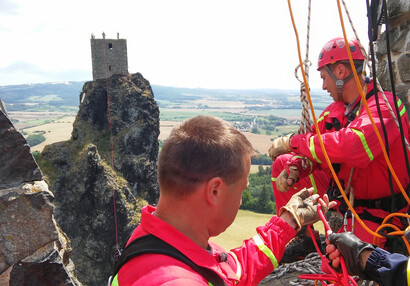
x=303, y=207
x=354, y=251
x=280, y=146
x=295, y=168
x=287, y=178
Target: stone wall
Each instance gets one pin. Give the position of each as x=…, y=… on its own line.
x=399, y=37
x=109, y=57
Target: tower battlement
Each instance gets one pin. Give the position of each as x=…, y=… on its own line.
x=109, y=56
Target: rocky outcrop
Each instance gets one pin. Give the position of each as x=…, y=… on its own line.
x=399, y=38
x=20, y=166
x=33, y=249
x=133, y=120
x=117, y=127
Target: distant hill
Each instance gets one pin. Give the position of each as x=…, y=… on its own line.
x=64, y=96
x=41, y=96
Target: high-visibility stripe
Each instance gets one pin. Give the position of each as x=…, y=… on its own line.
x=115, y=281
x=323, y=116
x=312, y=149
x=312, y=181
x=238, y=265
x=262, y=247
x=364, y=143
x=401, y=105
x=408, y=272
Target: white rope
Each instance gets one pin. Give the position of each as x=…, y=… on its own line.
x=305, y=123
x=309, y=265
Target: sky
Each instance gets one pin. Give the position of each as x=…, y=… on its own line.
x=231, y=44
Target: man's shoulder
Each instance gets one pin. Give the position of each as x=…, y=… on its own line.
x=158, y=269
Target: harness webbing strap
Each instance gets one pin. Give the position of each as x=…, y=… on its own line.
x=152, y=244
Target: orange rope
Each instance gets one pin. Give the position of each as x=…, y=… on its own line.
x=398, y=232
x=375, y=234
x=386, y=157
x=319, y=134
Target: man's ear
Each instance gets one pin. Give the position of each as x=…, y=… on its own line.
x=213, y=190
x=341, y=71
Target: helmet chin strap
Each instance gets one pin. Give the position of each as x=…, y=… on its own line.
x=341, y=82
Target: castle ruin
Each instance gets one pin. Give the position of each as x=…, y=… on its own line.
x=109, y=56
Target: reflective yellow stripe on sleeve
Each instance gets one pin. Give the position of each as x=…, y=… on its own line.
x=312, y=149
x=401, y=105
x=323, y=116
x=238, y=265
x=115, y=281
x=408, y=272
x=262, y=247
x=364, y=143
x=312, y=181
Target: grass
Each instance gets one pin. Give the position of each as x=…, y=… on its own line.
x=244, y=227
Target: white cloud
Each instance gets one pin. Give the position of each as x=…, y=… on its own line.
x=211, y=44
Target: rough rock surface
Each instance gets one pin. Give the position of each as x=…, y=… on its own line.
x=83, y=181
x=20, y=166
x=33, y=249
x=399, y=38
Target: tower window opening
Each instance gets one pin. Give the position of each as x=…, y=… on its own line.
x=109, y=68
x=110, y=46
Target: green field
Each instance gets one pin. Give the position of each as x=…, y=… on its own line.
x=167, y=114
x=244, y=227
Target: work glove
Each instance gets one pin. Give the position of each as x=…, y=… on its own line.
x=280, y=146
x=303, y=207
x=350, y=247
x=293, y=171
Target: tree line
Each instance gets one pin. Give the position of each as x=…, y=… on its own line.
x=258, y=196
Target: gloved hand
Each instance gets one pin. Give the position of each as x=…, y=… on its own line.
x=287, y=178
x=350, y=247
x=280, y=146
x=303, y=207
x=294, y=170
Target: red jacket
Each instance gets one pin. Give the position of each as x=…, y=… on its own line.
x=245, y=265
x=356, y=145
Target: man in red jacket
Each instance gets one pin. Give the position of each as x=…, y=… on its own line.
x=352, y=144
x=203, y=169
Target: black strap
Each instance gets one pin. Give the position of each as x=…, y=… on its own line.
x=152, y=244
x=384, y=203
x=353, y=113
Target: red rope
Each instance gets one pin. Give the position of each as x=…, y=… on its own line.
x=343, y=278
x=112, y=151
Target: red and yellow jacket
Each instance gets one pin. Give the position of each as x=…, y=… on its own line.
x=356, y=146
x=245, y=265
